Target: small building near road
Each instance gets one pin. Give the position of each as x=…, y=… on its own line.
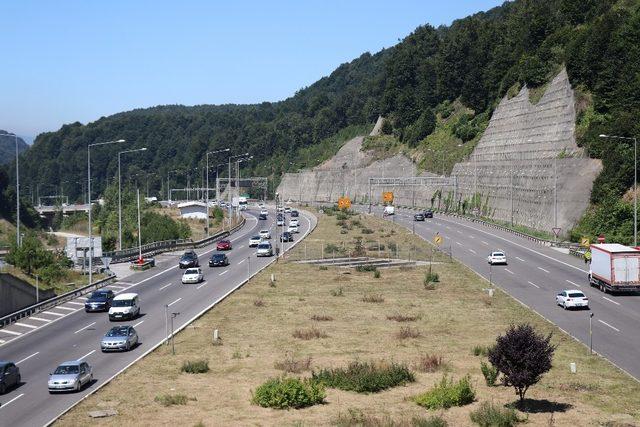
x=195, y=210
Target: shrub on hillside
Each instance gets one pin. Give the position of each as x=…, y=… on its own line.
x=294, y=366
x=285, y=393
x=429, y=363
x=195, y=367
x=447, y=394
x=490, y=415
x=489, y=373
x=171, y=399
x=357, y=418
x=365, y=377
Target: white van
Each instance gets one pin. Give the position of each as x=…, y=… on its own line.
x=124, y=306
x=389, y=210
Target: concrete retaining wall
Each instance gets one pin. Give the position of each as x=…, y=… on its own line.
x=16, y=294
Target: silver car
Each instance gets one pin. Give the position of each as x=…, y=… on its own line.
x=119, y=338
x=264, y=249
x=70, y=376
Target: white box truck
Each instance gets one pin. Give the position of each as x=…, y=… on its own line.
x=614, y=268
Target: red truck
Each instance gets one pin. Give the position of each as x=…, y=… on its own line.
x=614, y=268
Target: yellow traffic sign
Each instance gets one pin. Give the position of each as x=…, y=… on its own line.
x=438, y=240
x=344, y=203
x=387, y=196
x=584, y=242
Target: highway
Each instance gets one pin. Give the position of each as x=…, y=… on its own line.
x=39, y=343
x=533, y=276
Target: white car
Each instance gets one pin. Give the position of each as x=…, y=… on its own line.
x=293, y=221
x=265, y=234
x=192, y=275
x=497, y=257
x=264, y=249
x=280, y=222
x=254, y=241
x=292, y=228
x=280, y=209
x=287, y=209
x=572, y=298
x=264, y=212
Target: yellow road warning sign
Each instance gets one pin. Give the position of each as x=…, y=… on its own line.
x=584, y=242
x=438, y=240
x=387, y=196
x=344, y=203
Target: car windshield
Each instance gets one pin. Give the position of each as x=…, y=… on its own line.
x=576, y=295
x=122, y=303
x=191, y=271
x=264, y=231
x=117, y=332
x=99, y=295
x=67, y=369
x=498, y=254
x=255, y=238
x=264, y=246
x=218, y=257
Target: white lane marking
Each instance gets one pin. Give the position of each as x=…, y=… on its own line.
x=471, y=236
x=459, y=231
x=458, y=243
x=26, y=358
x=240, y=247
x=116, y=287
x=87, y=355
x=508, y=271
x=75, y=303
x=2, y=341
x=66, y=308
x=82, y=329
x=471, y=250
x=83, y=298
x=540, y=268
x=612, y=327
x=165, y=286
x=241, y=262
x=12, y=400
x=447, y=227
x=169, y=305
x=519, y=259
x=24, y=325
x=140, y=322
x=484, y=243
x=204, y=284
x=573, y=283
x=610, y=300
x=10, y=332
x=54, y=314
x=224, y=272
x=533, y=284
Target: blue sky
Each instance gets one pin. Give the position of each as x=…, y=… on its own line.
x=66, y=61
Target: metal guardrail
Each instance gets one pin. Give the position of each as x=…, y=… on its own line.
x=51, y=302
x=68, y=296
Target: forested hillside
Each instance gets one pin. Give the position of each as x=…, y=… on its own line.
x=8, y=147
x=475, y=61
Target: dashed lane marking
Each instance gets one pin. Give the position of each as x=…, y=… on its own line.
x=573, y=283
x=139, y=323
x=10, y=332
x=533, y=284
x=224, y=272
x=519, y=259
x=75, y=303
x=165, y=286
x=610, y=300
x=508, y=271
x=54, y=314
x=203, y=284
x=27, y=358
x=471, y=250
x=87, y=355
x=169, y=305
x=484, y=243
x=12, y=400
x=540, y=268
x=612, y=327
x=65, y=308
x=82, y=329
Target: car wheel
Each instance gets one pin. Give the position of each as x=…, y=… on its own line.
x=128, y=346
x=18, y=380
x=564, y=305
x=78, y=387
x=3, y=389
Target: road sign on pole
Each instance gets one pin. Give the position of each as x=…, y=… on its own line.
x=556, y=231
x=585, y=242
x=106, y=261
x=438, y=240
x=601, y=238
x=387, y=196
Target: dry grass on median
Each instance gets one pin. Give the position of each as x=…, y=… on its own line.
x=258, y=344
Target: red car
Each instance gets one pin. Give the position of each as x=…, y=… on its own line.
x=224, y=245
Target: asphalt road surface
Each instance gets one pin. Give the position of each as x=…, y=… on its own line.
x=534, y=275
x=39, y=343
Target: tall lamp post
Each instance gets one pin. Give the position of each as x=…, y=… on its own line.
x=89, y=201
x=207, y=198
x=229, y=185
x=120, y=194
x=635, y=182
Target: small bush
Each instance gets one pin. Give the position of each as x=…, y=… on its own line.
x=374, y=298
x=294, y=366
x=480, y=350
x=171, y=399
x=407, y=332
x=447, y=394
x=337, y=292
x=357, y=418
x=490, y=415
x=376, y=274
x=490, y=373
x=365, y=268
x=321, y=318
x=259, y=302
x=323, y=267
x=284, y=393
x=403, y=318
x=366, y=231
x=195, y=367
x=365, y=377
x=431, y=277
x=429, y=363
x=308, y=334
x=333, y=248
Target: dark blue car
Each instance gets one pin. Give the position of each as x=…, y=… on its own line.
x=99, y=300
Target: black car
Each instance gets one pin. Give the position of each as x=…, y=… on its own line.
x=286, y=237
x=188, y=260
x=218, y=260
x=262, y=217
x=428, y=213
x=9, y=376
x=294, y=214
x=418, y=217
x=99, y=300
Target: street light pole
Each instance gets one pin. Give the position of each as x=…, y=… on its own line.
x=590, y=333
x=229, y=184
x=89, y=202
x=17, y=192
x=120, y=195
x=635, y=182
x=207, y=198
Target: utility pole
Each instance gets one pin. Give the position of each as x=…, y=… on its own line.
x=590, y=333
x=139, y=230
x=217, y=195
x=120, y=195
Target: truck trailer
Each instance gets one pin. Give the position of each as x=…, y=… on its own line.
x=614, y=268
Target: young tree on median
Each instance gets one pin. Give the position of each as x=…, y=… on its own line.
x=522, y=356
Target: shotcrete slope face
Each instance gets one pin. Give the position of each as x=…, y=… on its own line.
x=526, y=168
